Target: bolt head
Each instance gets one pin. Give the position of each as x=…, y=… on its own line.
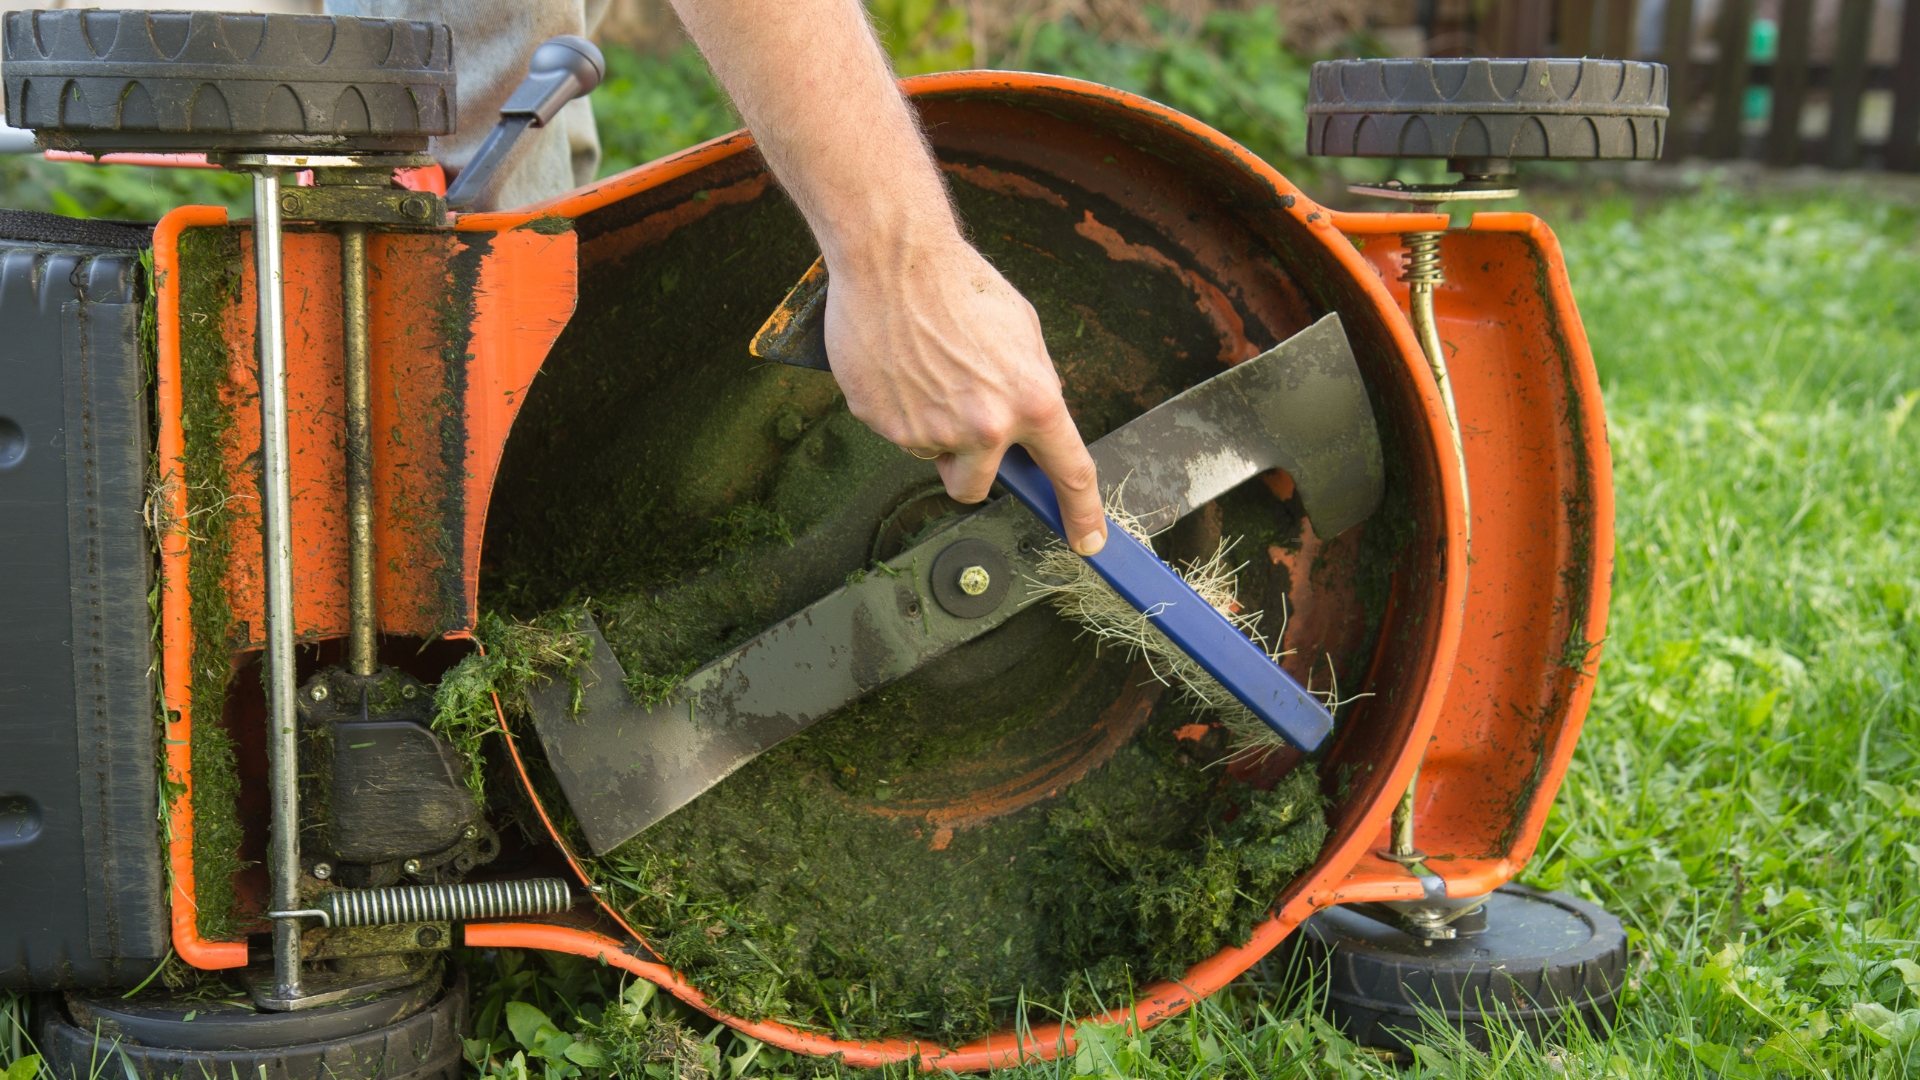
x=411, y=866
x=416, y=207
x=427, y=937
x=289, y=203
x=471, y=832
x=409, y=691
x=974, y=580
x=323, y=871
x=319, y=692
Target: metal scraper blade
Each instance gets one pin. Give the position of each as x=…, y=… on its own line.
x=1300, y=406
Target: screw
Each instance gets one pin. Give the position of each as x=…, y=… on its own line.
x=427, y=937
x=974, y=580
x=323, y=871
x=409, y=691
x=411, y=866
x=913, y=608
x=1026, y=545
x=471, y=832
x=289, y=203
x=319, y=692
x=415, y=206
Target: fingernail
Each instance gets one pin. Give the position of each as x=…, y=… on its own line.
x=1091, y=543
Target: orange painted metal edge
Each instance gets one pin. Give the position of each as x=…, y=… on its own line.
x=1593, y=427
x=176, y=602
x=1373, y=878
x=1376, y=224
x=640, y=178
x=1163, y=1000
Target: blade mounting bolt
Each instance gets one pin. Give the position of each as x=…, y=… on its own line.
x=974, y=580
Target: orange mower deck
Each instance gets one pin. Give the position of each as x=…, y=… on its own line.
x=1483, y=667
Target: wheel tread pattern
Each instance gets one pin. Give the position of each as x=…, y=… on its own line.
x=213, y=73
x=425, y=1046
x=1565, y=110
x=1375, y=994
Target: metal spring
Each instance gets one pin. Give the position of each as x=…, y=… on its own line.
x=1423, y=258
x=445, y=903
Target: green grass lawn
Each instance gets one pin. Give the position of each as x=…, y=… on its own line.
x=1747, y=794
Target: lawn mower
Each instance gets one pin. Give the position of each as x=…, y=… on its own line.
x=389, y=578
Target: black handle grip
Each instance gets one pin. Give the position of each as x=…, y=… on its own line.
x=562, y=68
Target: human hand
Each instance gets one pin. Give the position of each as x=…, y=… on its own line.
x=941, y=356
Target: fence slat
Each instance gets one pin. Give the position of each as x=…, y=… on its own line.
x=1730, y=78
x=1618, y=19
x=1901, y=151
x=1849, y=80
x=1576, y=27
x=1790, y=70
x=1676, y=46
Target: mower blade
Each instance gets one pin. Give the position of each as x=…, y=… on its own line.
x=1299, y=406
x=624, y=766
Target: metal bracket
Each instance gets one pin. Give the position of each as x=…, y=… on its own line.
x=371, y=205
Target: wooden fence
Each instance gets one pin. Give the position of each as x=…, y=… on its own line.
x=1787, y=82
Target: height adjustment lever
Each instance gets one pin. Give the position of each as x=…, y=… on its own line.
x=562, y=68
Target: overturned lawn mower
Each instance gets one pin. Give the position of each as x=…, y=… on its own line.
x=577, y=495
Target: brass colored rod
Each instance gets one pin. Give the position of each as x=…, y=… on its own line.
x=1422, y=275
x=362, y=617
x=1403, y=819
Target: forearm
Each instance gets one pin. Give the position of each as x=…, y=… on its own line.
x=815, y=88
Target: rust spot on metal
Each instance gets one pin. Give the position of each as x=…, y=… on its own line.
x=653, y=228
x=1234, y=346
x=1007, y=183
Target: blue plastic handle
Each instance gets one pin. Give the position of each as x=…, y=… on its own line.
x=1191, y=623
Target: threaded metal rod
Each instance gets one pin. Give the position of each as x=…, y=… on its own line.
x=1422, y=276
x=445, y=903
x=361, y=614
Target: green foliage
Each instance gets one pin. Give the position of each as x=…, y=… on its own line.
x=649, y=107
x=119, y=192
x=557, y=1017
x=1233, y=71
x=923, y=35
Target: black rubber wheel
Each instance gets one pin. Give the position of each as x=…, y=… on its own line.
x=1571, y=110
x=206, y=80
x=411, y=1034
x=1544, y=960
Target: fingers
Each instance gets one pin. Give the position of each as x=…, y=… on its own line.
x=1058, y=451
x=969, y=476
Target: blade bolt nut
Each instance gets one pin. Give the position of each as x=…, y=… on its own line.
x=974, y=580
